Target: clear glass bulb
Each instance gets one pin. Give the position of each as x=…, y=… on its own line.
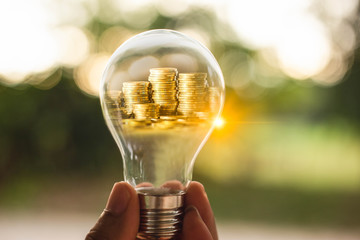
x=161, y=93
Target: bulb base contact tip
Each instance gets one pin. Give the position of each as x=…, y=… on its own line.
x=160, y=216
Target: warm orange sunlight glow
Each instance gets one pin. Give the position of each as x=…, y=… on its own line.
x=219, y=123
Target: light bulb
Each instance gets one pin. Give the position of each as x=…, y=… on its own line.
x=161, y=93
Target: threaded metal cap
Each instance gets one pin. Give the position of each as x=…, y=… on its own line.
x=160, y=215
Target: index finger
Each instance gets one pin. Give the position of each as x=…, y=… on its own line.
x=196, y=196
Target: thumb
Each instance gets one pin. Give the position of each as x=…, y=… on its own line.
x=120, y=219
x=194, y=227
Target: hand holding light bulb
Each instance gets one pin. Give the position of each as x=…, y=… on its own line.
x=161, y=93
x=120, y=219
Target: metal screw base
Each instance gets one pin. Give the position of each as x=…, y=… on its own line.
x=160, y=216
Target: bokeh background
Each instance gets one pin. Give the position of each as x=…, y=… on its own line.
x=284, y=165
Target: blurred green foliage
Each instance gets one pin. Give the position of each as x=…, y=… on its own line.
x=53, y=131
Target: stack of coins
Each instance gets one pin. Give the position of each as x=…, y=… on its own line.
x=135, y=92
x=146, y=111
x=192, y=93
x=213, y=99
x=163, y=83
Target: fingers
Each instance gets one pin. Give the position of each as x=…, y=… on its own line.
x=196, y=196
x=194, y=227
x=144, y=185
x=120, y=219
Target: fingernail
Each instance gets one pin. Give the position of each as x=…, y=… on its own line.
x=192, y=209
x=118, y=199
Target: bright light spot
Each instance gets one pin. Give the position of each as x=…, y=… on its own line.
x=304, y=50
x=69, y=12
x=88, y=75
x=259, y=22
x=113, y=37
x=30, y=43
x=73, y=46
x=299, y=40
x=219, y=123
x=26, y=46
x=302, y=41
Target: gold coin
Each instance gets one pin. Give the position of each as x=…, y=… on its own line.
x=163, y=70
x=136, y=83
x=163, y=95
x=194, y=74
x=163, y=86
x=162, y=78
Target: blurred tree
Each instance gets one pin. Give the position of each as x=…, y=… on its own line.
x=345, y=98
x=52, y=131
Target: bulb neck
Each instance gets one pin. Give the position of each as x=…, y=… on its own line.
x=160, y=216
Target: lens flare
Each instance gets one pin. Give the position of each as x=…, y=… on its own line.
x=219, y=123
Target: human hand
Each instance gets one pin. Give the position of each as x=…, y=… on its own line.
x=120, y=219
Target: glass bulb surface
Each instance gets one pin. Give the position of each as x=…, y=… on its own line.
x=161, y=93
